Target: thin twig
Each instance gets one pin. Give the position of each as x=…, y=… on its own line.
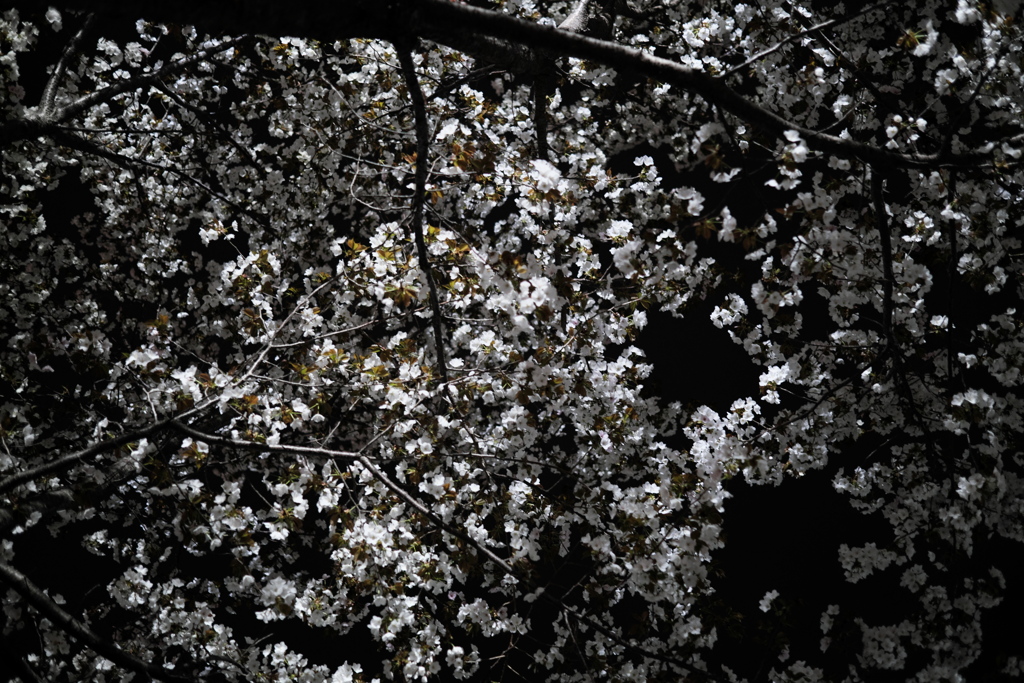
x=67, y=139
x=205, y=116
x=262, y=447
x=888, y=282
x=965, y=108
x=75, y=108
x=952, y=364
x=21, y=667
x=540, y=115
x=65, y=462
x=800, y=34
x=271, y=336
x=445, y=87
x=506, y=568
x=422, y=151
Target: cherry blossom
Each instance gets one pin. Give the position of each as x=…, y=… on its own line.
x=337, y=355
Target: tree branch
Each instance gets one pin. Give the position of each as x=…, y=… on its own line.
x=507, y=569
x=73, y=109
x=435, y=19
x=62, y=136
x=79, y=631
x=885, y=247
x=888, y=284
x=46, y=102
x=952, y=363
x=419, y=108
x=411, y=500
x=21, y=667
x=71, y=459
x=492, y=36
x=540, y=116
x=262, y=447
x=67, y=461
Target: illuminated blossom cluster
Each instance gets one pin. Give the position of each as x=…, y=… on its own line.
x=325, y=352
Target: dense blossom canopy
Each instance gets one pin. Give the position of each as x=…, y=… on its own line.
x=323, y=358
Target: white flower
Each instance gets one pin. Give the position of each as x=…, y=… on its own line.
x=546, y=175
x=276, y=589
x=974, y=397
x=622, y=256
x=727, y=232
x=53, y=16
x=798, y=150
x=923, y=48
x=142, y=357
x=969, y=487
x=346, y=672
x=447, y=130
x=966, y=13
x=619, y=229
x=766, y=601
x=732, y=311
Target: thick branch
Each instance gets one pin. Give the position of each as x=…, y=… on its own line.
x=79, y=631
x=496, y=37
x=435, y=19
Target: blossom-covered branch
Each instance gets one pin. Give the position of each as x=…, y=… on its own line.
x=573, y=428
x=45, y=605
x=437, y=13
x=64, y=462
